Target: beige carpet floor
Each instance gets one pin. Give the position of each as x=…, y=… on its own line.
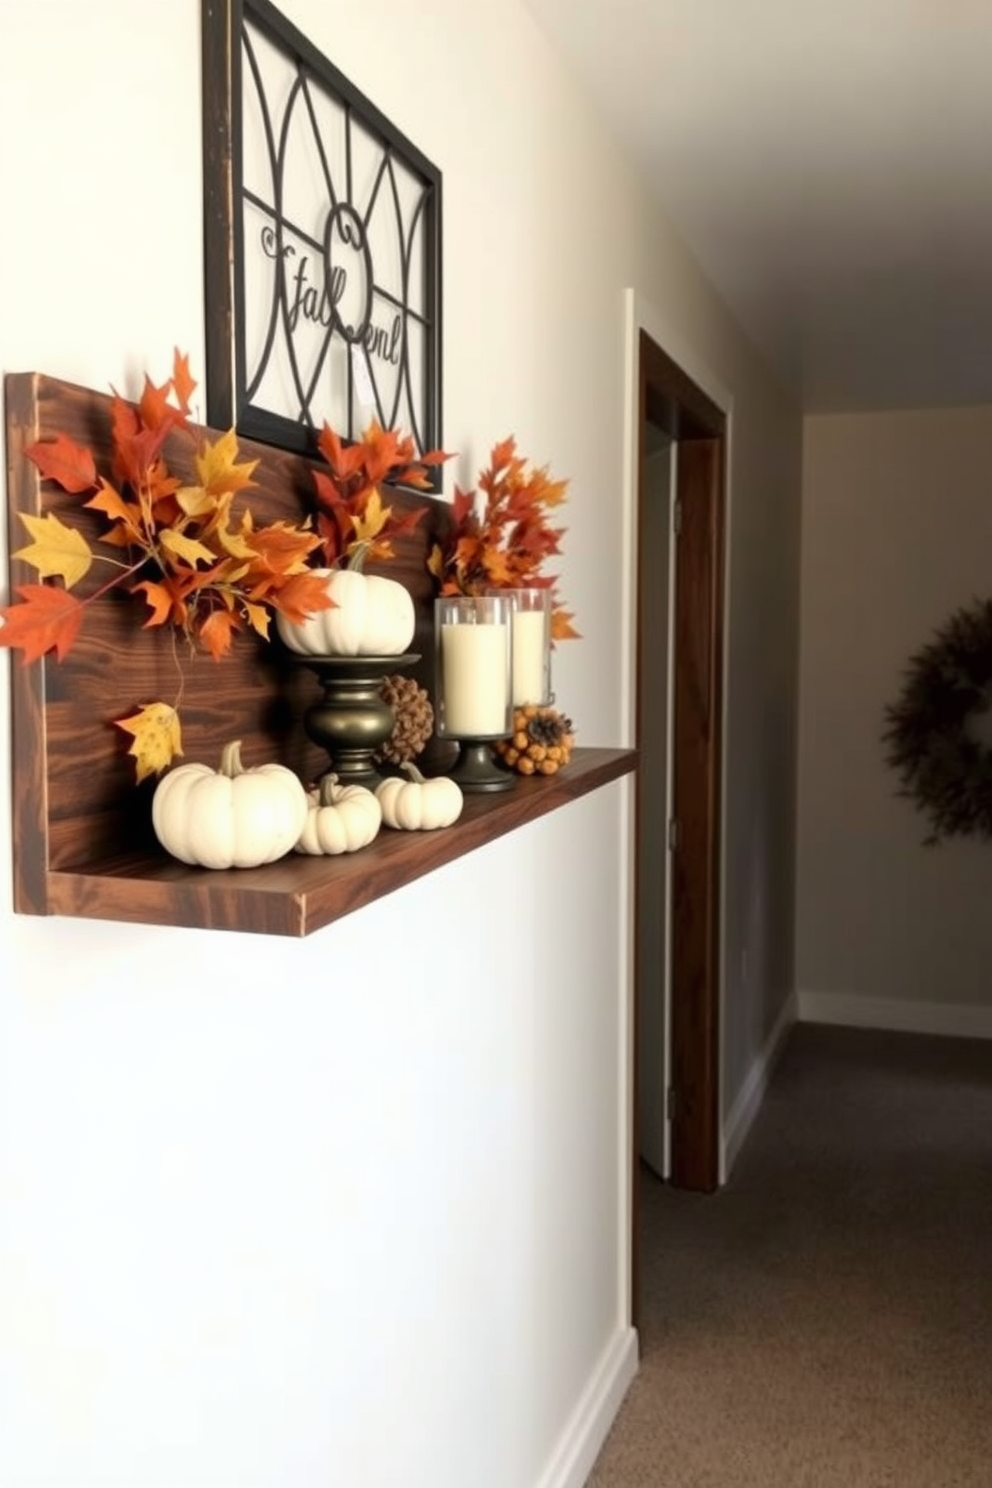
x=825, y=1320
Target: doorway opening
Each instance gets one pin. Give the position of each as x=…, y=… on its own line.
x=681, y=475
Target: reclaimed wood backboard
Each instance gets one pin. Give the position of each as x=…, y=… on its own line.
x=75, y=801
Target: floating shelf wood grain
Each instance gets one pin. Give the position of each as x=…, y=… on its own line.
x=299, y=895
x=82, y=839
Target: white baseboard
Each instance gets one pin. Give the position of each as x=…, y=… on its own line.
x=752, y=1092
x=578, y=1447
x=957, y=1020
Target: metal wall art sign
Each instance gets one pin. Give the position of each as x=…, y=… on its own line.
x=322, y=245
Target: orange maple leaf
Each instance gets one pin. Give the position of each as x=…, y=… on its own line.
x=462, y=506
x=182, y=382
x=155, y=409
x=135, y=445
x=562, y=628
x=62, y=460
x=349, y=493
x=498, y=569
x=216, y=632
x=302, y=595
x=160, y=601
x=500, y=458
x=283, y=548
x=46, y=619
x=110, y=501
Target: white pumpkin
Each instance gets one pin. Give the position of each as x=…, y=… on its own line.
x=419, y=804
x=340, y=819
x=372, y=616
x=230, y=817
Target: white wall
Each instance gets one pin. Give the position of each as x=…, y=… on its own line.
x=897, y=527
x=353, y=1210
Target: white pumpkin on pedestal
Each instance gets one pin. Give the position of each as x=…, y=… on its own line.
x=372, y=616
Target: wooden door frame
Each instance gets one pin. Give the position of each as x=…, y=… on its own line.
x=665, y=395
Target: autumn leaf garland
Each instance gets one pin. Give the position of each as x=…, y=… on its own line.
x=198, y=566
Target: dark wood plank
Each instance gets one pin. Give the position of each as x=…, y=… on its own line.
x=29, y=750
x=299, y=895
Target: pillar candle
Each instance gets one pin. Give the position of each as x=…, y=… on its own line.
x=475, y=681
x=529, y=644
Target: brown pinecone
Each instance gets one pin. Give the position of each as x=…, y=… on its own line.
x=414, y=719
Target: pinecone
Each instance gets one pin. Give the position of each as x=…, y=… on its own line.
x=414, y=719
x=541, y=742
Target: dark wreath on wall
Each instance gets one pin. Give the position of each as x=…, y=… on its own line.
x=322, y=238
x=932, y=736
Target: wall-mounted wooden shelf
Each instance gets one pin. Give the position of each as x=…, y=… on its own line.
x=301, y=894
x=82, y=838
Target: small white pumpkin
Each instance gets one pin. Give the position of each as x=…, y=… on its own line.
x=340, y=818
x=419, y=804
x=231, y=817
x=372, y=616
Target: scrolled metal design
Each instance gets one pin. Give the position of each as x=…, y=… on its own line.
x=335, y=240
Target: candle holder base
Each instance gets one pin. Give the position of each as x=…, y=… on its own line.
x=352, y=719
x=477, y=769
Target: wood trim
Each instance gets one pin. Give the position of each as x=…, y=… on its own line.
x=671, y=401
x=695, y=865
x=639, y=827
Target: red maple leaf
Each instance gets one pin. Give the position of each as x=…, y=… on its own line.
x=65, y=462
x=47, y=618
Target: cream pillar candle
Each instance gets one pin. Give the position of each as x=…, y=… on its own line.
x=529, y=649
x=474, y=670
x=473, y=653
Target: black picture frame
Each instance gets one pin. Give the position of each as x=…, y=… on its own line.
x=322, y=245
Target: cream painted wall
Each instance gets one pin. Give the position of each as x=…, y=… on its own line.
x=355, y=1209
x=897, y=527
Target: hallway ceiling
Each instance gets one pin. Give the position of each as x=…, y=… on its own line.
x=828, y=165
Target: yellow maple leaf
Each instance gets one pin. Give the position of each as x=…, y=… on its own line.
x=195, y=501
x=186, y=548
x=217, y=468
x=58, y=551
x=157, y=738
x=258, y=618
x=234, y=573
x=372, y=520
x=235, y=542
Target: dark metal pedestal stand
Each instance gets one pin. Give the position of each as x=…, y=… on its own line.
x=352, y=719
x=477, y=769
